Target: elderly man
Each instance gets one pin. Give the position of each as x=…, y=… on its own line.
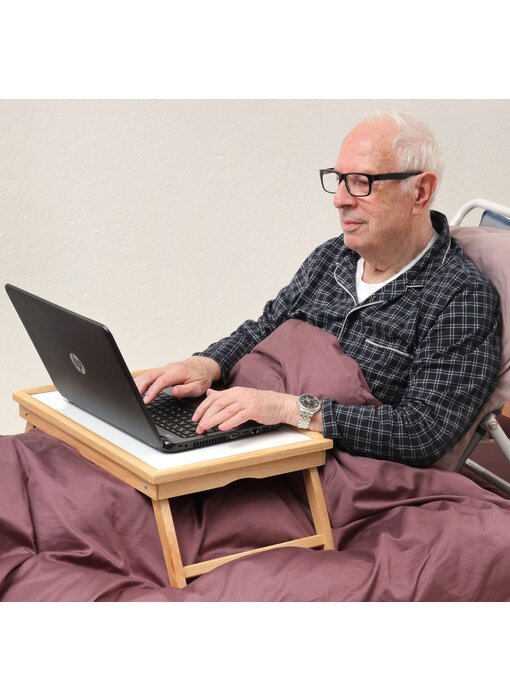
x=399, y=295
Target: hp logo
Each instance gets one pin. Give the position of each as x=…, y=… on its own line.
x=77, y=363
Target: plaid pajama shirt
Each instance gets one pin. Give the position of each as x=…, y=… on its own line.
x=428, y=344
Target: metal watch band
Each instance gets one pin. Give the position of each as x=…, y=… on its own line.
x=304, y=420
x=306, y=414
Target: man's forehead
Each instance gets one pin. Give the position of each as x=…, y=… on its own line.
x=367, y=146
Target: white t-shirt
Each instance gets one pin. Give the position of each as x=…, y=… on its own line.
x=364, y=290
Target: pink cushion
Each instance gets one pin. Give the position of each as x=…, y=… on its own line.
x=489, y=248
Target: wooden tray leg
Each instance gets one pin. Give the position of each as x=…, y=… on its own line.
x=318, y=506
x=169, y=543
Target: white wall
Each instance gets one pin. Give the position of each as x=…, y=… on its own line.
x=173, y=221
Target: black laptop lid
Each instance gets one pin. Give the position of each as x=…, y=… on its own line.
x=85, y=364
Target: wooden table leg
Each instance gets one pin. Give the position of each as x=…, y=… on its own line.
x=318, y=506
x=169, y=543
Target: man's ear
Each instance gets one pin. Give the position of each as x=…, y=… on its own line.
x=426, y=183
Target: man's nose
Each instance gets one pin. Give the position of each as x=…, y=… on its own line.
x=342, y=198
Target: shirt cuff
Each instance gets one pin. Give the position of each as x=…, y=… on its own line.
x=330, y=421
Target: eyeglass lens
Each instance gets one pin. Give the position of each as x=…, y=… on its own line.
x=357, y=185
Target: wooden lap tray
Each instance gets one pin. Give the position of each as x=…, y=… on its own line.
x=145, y=469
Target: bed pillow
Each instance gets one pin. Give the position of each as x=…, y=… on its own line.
x=300, y=358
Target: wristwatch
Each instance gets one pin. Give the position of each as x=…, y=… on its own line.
x=308, y=406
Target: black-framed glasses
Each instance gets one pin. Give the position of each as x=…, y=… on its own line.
x=358, y=184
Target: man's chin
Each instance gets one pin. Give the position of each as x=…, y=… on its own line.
x=351, y=239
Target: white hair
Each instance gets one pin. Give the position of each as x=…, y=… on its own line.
x=415, y=145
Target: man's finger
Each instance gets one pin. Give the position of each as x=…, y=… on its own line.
x=206, y=403
x=228, y=415
x=144, y=380
x=181, y=391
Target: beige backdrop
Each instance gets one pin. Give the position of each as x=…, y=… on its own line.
x=173, y=221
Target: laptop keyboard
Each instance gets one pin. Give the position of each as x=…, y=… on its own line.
x=173, y=415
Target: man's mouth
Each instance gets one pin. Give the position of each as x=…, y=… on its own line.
x=350, y=224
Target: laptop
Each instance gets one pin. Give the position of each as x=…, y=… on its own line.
x=86, y=366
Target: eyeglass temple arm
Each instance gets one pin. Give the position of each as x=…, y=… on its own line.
x=394, y=176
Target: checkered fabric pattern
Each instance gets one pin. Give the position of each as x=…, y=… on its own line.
x=428, y=344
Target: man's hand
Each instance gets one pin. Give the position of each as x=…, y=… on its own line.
x=229, y=408
x=192, y=377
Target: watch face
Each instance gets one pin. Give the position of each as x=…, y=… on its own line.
x=309, y=402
